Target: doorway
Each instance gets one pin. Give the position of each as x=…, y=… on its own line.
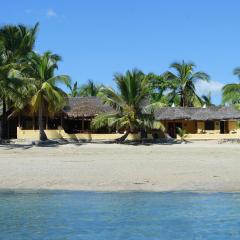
x=223, y=127
x=173, y=128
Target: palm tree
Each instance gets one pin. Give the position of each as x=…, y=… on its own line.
x=231, y=92
x=207, y=99
x=89, y=90
x=46, y=96
x=74, y=90
x=182, y=133
x=15, y=43
x=160, y=86
x=129, y=113
x=184, y=79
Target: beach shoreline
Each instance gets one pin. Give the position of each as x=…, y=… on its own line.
x=193, y=167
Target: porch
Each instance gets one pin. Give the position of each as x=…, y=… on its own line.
x=203, y=130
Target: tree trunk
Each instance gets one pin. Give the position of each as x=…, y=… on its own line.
x=123, y=137
x=4, y=119
x=42, y=134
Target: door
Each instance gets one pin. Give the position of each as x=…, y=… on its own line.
x=171, y=130
x=224, y=127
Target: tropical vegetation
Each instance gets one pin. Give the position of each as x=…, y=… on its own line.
x=132, y=112
x=28, y=79
x=183, y=79
x=15, y=43
x=231, y=92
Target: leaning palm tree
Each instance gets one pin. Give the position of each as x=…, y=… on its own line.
x=89, y=90
x=15, y=43
x=130, y=113
x=46, y=96
x=184, y=79
x=231, y=92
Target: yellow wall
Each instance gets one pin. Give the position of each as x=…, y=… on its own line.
x=59, y=134
x=200, y=126
x=189, y=126
x=211, y=136
x=233, y=126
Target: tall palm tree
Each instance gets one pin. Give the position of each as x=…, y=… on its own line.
x=184, y=79
x=46, y=96
x=130, y=113
x=15, y=43
x=89, y=90
x=231, y=92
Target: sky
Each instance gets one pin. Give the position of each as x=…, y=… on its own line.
x=99, y=38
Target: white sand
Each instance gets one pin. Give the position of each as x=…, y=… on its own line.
x=205, y=166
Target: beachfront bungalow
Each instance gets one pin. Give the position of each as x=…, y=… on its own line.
x=74, y=121
x=200, y=122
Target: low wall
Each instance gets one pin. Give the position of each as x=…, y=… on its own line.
x=61, y=134
x=211, y=136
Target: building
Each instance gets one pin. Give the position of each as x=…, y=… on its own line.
x=200, y=123
x=75, y=119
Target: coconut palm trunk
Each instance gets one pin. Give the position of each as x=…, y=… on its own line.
x=123, y=137
x=42, y=134
x=4, y=119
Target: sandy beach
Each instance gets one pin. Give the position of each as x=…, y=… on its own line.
x=200, y=166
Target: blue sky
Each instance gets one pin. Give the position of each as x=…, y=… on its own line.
x=98, y=38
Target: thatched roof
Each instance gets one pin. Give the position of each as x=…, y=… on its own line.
x=85, y=107
x=194, y=113
x=92, y=106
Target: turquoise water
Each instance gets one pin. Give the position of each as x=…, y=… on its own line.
x=123, y=215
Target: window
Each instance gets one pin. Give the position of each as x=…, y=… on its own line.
x=209, y=125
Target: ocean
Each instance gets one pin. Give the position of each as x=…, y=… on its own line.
x=71, y=215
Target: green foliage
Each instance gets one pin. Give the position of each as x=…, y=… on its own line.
x=207, y=100
x=16, y=41
x=183, y=81
x=231, y=92
x=182, y=133
x=89, y=90
x=43, y=84
x=130, y=110
x=74, y=89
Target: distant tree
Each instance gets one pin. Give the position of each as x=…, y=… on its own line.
x=159, y=86
x=74, y=90
x=207, y=99
x=183, y=80
x=89, y=90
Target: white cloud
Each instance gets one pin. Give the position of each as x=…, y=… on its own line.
x=51, y=13
x=203, y=88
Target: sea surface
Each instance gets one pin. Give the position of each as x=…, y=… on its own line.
x=43, y=215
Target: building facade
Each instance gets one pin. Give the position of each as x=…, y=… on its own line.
x=74, y=122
